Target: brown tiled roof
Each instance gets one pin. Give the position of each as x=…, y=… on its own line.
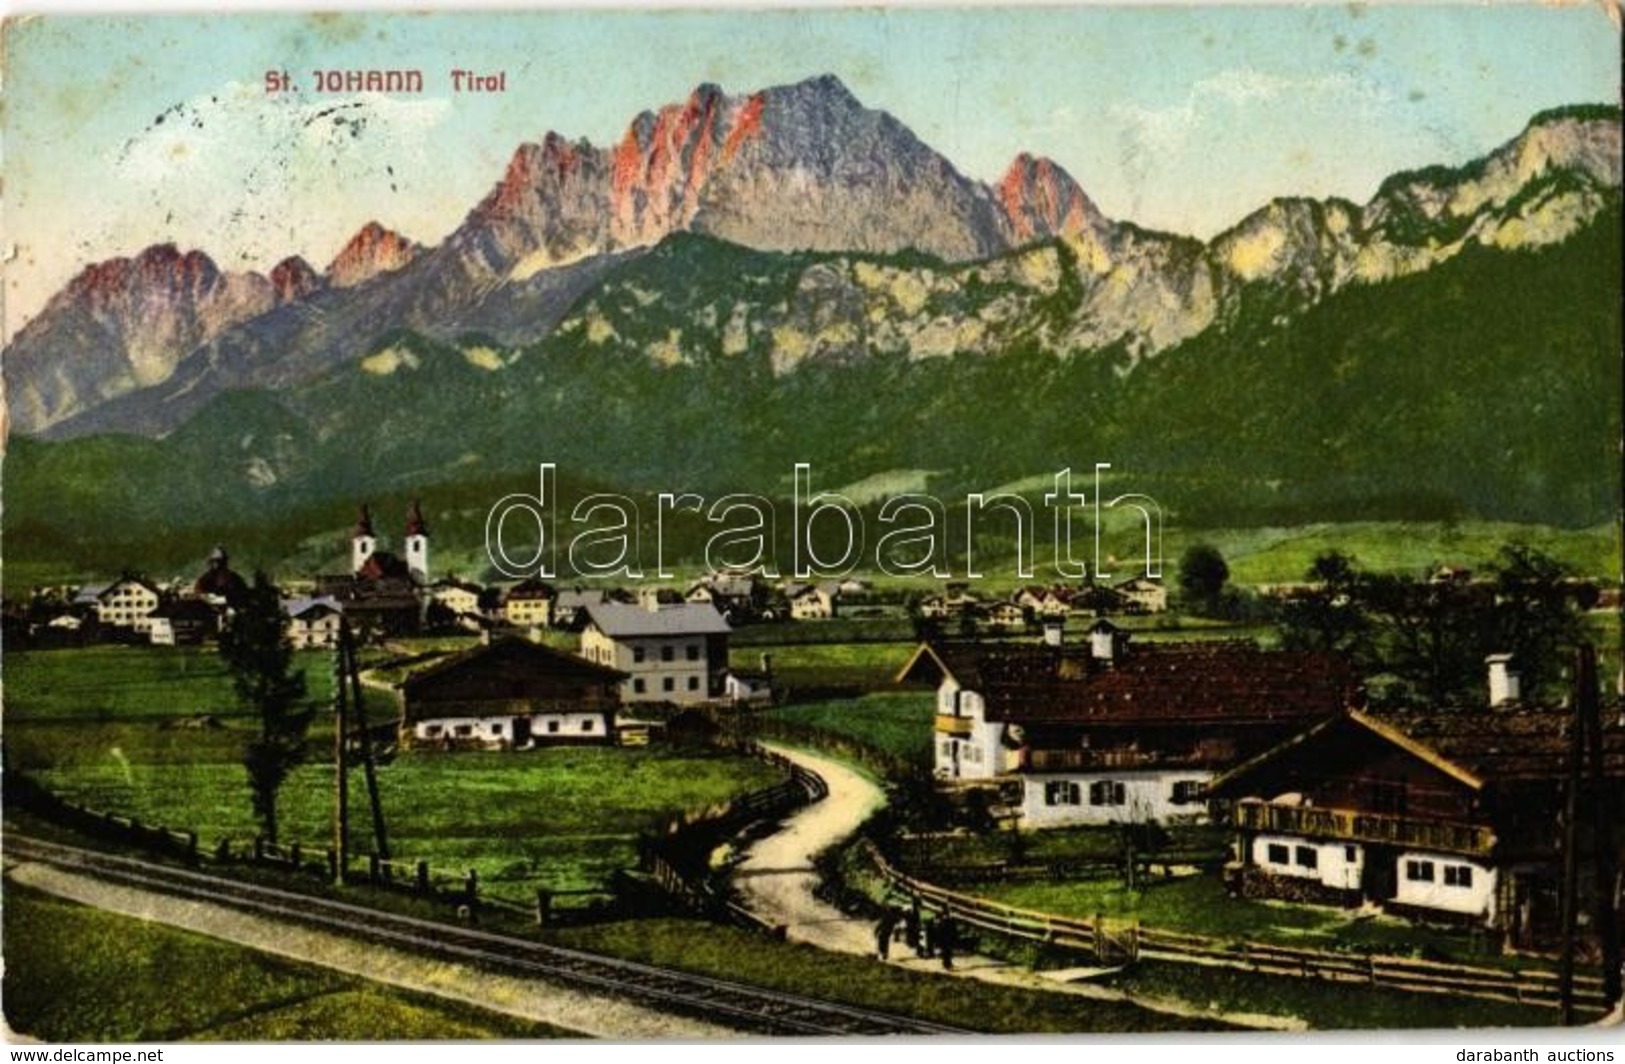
x=1518, y=743
x=521, y=653
x=381, y=565
x=1226, y=680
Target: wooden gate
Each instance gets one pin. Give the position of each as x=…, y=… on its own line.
x=1117, y=942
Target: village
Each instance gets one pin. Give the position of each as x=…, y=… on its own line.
x=1060, y=763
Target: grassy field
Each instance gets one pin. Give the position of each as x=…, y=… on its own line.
x=562, y=818
x=804, y=667
x=1283, y=555
x=1053, y=846
x=126, y=683
x=1199, y=905
x=75, y=974
x=896, y=722
x=1324, y=1006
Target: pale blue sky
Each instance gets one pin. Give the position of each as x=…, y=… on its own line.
x=1174, y=117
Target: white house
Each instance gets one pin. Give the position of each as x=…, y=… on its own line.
x=669, y=653
x=313, y=622
x=128, y=603
x=813, y=602
x=1102, y=733
x=461, y=598
x=529, y=604
x=1142, y=595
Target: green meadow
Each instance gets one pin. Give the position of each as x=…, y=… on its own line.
x=115, y=729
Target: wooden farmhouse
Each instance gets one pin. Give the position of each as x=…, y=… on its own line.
x=509, y=695
x=1445, y=813
x=1105, y=732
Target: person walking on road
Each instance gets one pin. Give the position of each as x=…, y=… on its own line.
x=883, y=932
x=911, y=927
x=947, y=939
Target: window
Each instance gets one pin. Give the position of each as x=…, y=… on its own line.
x=1107, y=792
x=1279, y=854
x=1061, y=792
x=432, y=730
x=637, y=655
x=1388, y=798
x=1187, y=791
x=465, y=729
x=693, y=683
x=1308, y=857
x=1351, y=854
x=637, y=686
x=496, y=729
x=666, y=653
x=668, y=684
x=552, y=727
x=586, y=725
x=1458, y=875
x=1419, y=871
x=693, y=652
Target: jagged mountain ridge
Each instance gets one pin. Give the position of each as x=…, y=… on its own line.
x=807, y=166
x=1328, y=415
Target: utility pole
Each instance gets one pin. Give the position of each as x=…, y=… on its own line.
x=1602, y=842
x=341, y=773
x=369, y=763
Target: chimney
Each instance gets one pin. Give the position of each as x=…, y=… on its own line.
x=1054, y=632
x=1504, y=685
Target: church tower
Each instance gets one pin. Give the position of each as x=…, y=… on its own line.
x=417, y=544
x=362, y=542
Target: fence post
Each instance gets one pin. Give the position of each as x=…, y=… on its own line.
x=375, y=868
x=544, y=905
x=222, y=851
x=471, y=885
x=423, y=877
x=191, y=847
x=295, y=856
x=259, y=848
x=332, y=864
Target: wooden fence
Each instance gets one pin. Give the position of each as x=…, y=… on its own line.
x=320, y=860
x=1118, y=942
x=678, y=859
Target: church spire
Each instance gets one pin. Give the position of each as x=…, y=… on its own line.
x=362, y=541
x=415, y=525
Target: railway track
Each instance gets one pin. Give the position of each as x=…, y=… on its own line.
x=751, y=1010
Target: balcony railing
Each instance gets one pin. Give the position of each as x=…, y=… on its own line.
x=959, y=727
x=1073, y=760
x=1356, y=826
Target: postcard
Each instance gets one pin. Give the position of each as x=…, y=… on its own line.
x=711, y=522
